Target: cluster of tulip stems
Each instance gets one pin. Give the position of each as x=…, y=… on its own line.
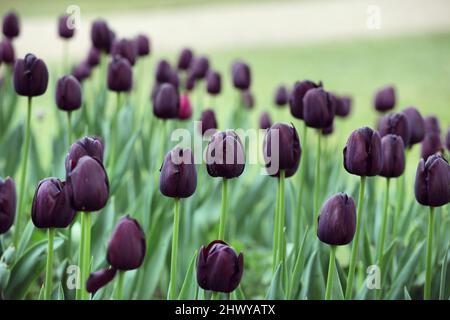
x=57, y=203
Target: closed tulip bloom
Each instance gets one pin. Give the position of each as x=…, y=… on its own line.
x=213, y=82
x=200, y=67
x=416, y=125
x=30, y=76
x=384, y=99
x=51, y=205
x=185, y=111
x=362, y=153
x=174, y=79
x=7, y=51
x=395, y=123
x=264, y=121
x=127, y=247
x=190, y=82
x=7, y=204
x=185, y=59
x=248, y=99
x=120, y=75
x=68, y=93
x=328, y=130
x=241, y=75
x=343, y=107
x=126, y=49
x=93, y=58
x=432, y=125
x=99, y=279
x=219, y=269
x=11, y=25
x=337, y=220
x=318, y=108
x=447, y=139
x=281, y=96
x=208, y=122
x=142, y=45
x=393, y=151
x=297, y=95
x=178, y=177
x=65, y=29
x=87, y=146
x=432, y=187
x=167, y=102
x=82, y=71
x=89, y=185
x=163, y=71
x=431, y=145
x=101, y=35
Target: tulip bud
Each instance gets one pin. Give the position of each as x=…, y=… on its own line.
x=432, y=187
x=68, y=93
x=395, y=123
x=167, y=102
x=264, y=121
x=30, y=76
x=11, y=25
x=384, y=99
x=393, y=151
x=337, y=220
x=185, y=111
x=174, y=79
x=431, y=145
x=297, y=95
x=241, y=75
x=328, y=130
x=163, y=71
x=432, y=125
x=7, y=204
x=101, y=35
x=178, y=177
x=362, y=153
x=65, y=30
x=200, y=67
x=120, y=75
x=318, y=108
x=88, y=146
x=126, y=49
x=99, y=279
x=219, y=269
x=185, y=59
x=213, y=82
x=51, y=205
x=142, y=45
x=416, y=125
x=190, y=82
x=127, y=247
x=208, y=122
x=82, y=71
x=343, y=106
x=93, y=58
x=281, y=96
x=447, y=139
x=88, y=185
x=7, y=51
x=247, y=99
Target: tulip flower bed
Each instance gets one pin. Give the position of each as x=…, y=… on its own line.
x=342, y=195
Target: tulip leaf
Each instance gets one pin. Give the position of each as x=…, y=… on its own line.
x=275, y=291
x=406, y=294
x=189, y=284
x=25, y=238
x=313, y=287
x=442, y=285
x=121, y=165
x=294, y=286
x=10, y=142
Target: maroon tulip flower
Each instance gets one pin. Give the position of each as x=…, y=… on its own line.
x=343, y=107
x=208, y=123
x=82, y=71
x=384, y=99
x=88, y=146
x=30, y=76
x=264, y=121
x=241, y=75
x=431, y=145
x=163, y=72
x=318, y=108
x=297, y=95
x=167, y=102
x=102, y=37
x=11, y=25
x=432, y=125
x=7, y=54
x=93, y=58
x=213, y=82
x=395, y=123
x=7, y=204
x=120, y=75
x=99, y=279
x=65, y=29
x=433, y=181
x=393, y=151
x=185, y=111
x=200, y=67
x=68, y=93
x=416, y=125
x=185, y=58
x=126, y=49
x=142, y=45
x=281, y=96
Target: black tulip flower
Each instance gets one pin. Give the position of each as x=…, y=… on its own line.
x=7, y=51
x=432, y=125
x=190, y=82
x=213, y=82
x=219, y=269
x=127, y=247
x=68, y=93
x=163, y=72
x=174, y=79
x=7, y=204
x=82, y=71
x=447, y=139
x=241, y=75
x=101, y=36
x=393, y=151
x=433, y=181
x=88, y=184
x=362, y=153
x=328, y=130
x=30, y=76
x=185, y=59
x=395, y=123
x=167, y=102
x=297, y=95
x=208, y=122
x=178, y=178
x=142, y=45
x=99, y=279
x=126, y=49
x=247, y=99
x=120, y=75
x=431, y=145
x=11, y=25
x=416, y=125
x=318, y=108
x=337, y=220
x=264, y=121
x=282, y=150
x=93, y=58
x=281, y=96
x=51, y=205
x=384, y=99
x=200, y=67
x=65, y=30
x=88, y=146
x=343, y=106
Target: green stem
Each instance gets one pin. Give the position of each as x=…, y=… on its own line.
x=355, y=244
x=281, y=219
x=113, y=133
x=275, y=229
x=119, y=288
x=86, y=252
x=380, y=247
x=23, y=177
x=69, y=128
x=79, y=291
x=398, y=204
x=223, y=211
x=317, y=180
x=49, y=268
x=69, y=228
x=427, y=289
x=173, y=260
x=301, y=188
x=65, y=57
x=215, y=295
x=330, y=273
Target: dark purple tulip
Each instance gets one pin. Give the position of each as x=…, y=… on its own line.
x=343, y=106
x=11, y=25
x=163, y=72
x=120, y=75
x=174, y=79
x=101, y=35
x=393, y=151
x=337, y=220
x=7, y=51
x=99, y=279
x=51, y=205
x=200, y=67
x=362, y=153
x=318, y=108
x=68, y=93
x=190, y=82
x=88, y=184
x=82, y=71
x=30, y=76
x=7, y=204
x=297, y=95
x=395, y=123
x=127, y=247
x=241, y=75
x=447, y=139
x=247, y=99
x=225, y=155
x=433, y=181
x=213, y=82
x=185, y=59
x=432, y=125
x=208, y=122
x=142, y=45
x=178, y=177
x=384, y=99
x=65, y=29
x=93, y=58
x=126, y=49
x=219, y=269
x=167, y=102
x=328, y=130
x=185, y=111
x=431, y=145
x=281, y=97
x=416, y=125
x=264, y=121
x=88, y=146
x=282, y=149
